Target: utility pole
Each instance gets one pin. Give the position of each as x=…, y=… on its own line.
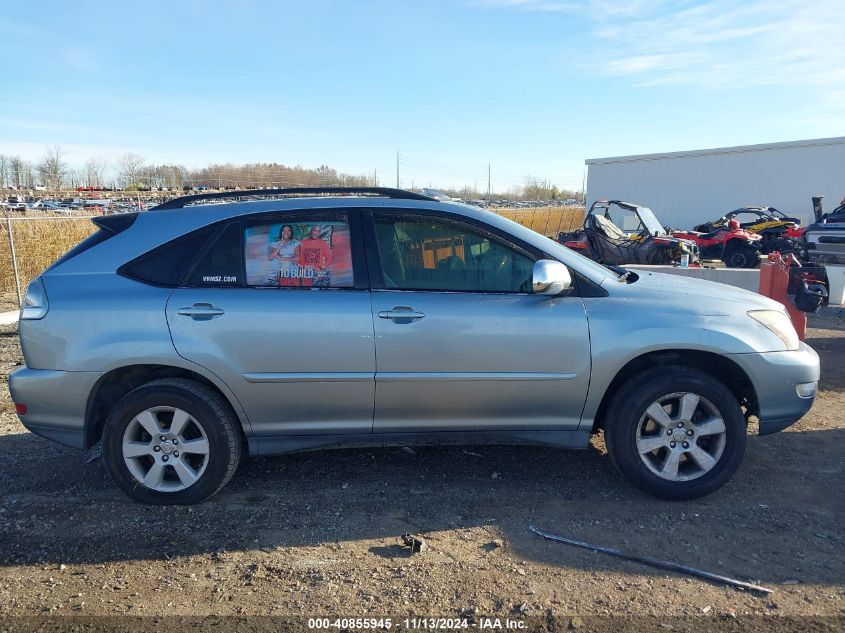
x=375, y=178
x=583, y=188
x=488, y=180
x=397, y=170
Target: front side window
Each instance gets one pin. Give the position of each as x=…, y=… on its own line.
x=430, y=253
x=305, y=253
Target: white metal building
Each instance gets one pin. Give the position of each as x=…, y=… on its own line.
x=688, y=188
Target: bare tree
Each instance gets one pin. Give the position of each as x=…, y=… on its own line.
x=16, y=172
x=129, y=166
x=94, y=172
x=28, y=175
x=4, y=171
x=52, y=168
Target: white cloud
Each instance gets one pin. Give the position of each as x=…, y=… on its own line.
x=720, y=44
x=716, y=44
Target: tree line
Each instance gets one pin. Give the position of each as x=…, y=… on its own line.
x=131, y=172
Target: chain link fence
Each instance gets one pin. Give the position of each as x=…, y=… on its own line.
x=29, y=244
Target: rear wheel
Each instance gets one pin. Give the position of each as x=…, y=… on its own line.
x=741, y=257
x=171, y=441
x=676, y=432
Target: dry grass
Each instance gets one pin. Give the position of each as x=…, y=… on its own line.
x=548, y=221
x=38, y=243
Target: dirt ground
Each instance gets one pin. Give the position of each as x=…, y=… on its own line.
x=319, y=533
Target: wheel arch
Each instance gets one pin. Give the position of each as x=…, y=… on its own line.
x=118, y=382
x=719, y=367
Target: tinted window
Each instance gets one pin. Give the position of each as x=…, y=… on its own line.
x=419, y=253
x=167, y=265
x=305, y=253
x=222, y=264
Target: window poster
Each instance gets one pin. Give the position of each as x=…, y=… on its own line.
x=299, y=254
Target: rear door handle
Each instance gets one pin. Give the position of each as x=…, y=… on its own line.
x=201, y=311
x=401, y=314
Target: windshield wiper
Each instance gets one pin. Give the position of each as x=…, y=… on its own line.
x=624, y=274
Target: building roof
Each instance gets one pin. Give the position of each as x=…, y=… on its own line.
x=838, y=140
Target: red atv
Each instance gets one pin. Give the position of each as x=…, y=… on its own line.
x=736, y=247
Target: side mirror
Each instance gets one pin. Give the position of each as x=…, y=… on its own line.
x=550, y=277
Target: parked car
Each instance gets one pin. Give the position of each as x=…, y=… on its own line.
x=184, y=336
x=44, y=205
x=617, y=232
x=16, y=203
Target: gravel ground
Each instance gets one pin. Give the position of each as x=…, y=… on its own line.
x=319, y=533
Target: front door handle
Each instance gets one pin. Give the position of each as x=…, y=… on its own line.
x=401, y=314
x=201, y=311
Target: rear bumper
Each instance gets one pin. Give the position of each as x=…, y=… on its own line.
x=56, y=402
x=776, y=376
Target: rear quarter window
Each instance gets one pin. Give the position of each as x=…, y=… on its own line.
x=168, y=265
x=222, y=265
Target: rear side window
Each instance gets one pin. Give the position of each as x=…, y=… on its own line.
x=168, y=265
x=307, y=253
x=222, y=265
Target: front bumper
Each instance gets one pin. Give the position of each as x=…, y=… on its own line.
x=56, y=402
x=776, y=376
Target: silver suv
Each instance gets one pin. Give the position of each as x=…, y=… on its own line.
x=182, y=336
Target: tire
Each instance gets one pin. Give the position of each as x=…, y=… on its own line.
x=658, y=257
x=630, y=429
x=156, y=472
x=741, y=257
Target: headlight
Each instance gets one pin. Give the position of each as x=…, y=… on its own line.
x=779, y=324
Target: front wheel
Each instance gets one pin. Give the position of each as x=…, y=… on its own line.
x=676, y=432
x=741, y=257
x=171, y=441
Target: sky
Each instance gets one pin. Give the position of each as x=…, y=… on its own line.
x=531, y=88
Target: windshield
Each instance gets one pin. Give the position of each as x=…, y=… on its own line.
x=630, y=218
x=556, y=250
x=650, y=221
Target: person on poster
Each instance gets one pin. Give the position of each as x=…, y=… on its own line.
x=284, y=258
x=315, y=256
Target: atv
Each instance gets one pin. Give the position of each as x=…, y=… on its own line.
x=641, y=240
x=735, y=246
x=779, y=231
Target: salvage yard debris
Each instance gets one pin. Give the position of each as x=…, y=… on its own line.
x=654, y=562
x=416, y=543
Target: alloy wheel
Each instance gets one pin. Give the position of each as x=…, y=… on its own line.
x=681, y=436
x=165, y=449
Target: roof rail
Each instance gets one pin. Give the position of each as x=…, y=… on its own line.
x=386, y=192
